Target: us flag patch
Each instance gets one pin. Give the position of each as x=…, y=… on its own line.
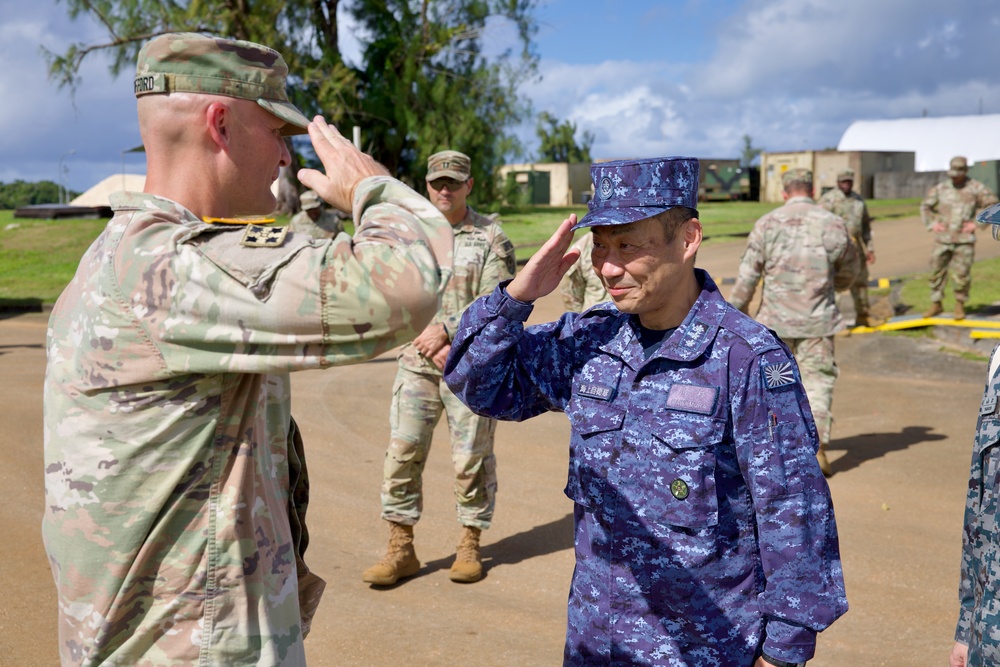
x=778, y=375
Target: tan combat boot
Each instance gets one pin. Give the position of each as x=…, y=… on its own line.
x=934, y=310
x=468, y=565
x=959, y=310
x=400, y=559
x=824, y=463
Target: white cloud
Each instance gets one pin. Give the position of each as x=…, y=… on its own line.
x=44, y=123
x=793, y=74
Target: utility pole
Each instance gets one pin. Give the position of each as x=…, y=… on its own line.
x=63, y=193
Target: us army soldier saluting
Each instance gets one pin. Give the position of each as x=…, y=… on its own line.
x=173, y=486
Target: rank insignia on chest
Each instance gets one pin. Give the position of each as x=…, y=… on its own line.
x=989, y=404
x=258, y=236
x=778, y=375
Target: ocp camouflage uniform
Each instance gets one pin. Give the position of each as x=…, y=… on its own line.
x=803, y=253
x=852, y=209
x=483, y=257
x=582, y=288
x=328, y=225
x=952, y=206
x=169, y=469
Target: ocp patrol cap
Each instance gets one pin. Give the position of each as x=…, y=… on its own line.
x=193, y=63
x=627, y=191
x=449, y=164
x=797, y=175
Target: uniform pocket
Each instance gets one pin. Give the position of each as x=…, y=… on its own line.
x=988, y=450
x=597, y=429
x=677, y=472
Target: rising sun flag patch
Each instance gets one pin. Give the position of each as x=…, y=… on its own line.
x=778, y=375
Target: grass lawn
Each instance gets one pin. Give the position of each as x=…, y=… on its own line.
x=38, y=257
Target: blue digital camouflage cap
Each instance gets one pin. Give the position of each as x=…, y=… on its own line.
x=631, y=190
x=991, y=216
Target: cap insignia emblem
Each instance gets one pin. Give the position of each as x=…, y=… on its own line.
x=606, y=189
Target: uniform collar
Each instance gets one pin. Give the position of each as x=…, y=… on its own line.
x=141, y=201
x=468, y=223
x=689, y=341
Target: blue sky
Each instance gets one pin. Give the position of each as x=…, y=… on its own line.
x=674, y=77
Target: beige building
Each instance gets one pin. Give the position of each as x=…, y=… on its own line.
x=552, y=183
x=825, y=166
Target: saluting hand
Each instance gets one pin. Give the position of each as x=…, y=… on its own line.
x=546, y=267
x=344, y=164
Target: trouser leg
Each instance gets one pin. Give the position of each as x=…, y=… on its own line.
x=819, y=371
x=859, y=292
x=961, y=270
x=473, y=460
x=940, y=258
x=416, y=408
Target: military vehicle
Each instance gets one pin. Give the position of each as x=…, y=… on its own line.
x=724, y=180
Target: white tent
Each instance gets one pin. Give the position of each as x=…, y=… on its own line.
x=934, y=140
x=98, y=194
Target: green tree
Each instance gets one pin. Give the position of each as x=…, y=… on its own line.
x=21, y=193
x=424, y=83
x=558, y=140
x=426, y=86
x=749, y=154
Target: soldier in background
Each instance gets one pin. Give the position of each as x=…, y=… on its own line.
x=844, y=202
x=483, y=257
x=174, y=480
x=949, y=211
x=582, y=288
x=804, y=254
x=314, y=219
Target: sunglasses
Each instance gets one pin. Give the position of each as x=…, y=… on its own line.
x=442, y=183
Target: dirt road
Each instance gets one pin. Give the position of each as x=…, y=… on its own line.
x=905, y=414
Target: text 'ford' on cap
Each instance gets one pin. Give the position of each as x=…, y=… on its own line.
x=193, y=63
x=631, y=190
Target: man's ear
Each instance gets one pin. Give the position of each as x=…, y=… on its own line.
x=470, y=182
x=219, y=117
x=692, y=237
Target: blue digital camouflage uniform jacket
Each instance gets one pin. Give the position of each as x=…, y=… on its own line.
x=704, y=529
x=979, y=615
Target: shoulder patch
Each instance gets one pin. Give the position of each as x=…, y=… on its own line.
x=259, y=236
x=778, y=374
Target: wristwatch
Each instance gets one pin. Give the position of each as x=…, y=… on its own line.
x=781, y=663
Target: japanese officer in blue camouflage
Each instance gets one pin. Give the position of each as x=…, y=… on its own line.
x=977, y=635
x=175, y=482
x=704, y=528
